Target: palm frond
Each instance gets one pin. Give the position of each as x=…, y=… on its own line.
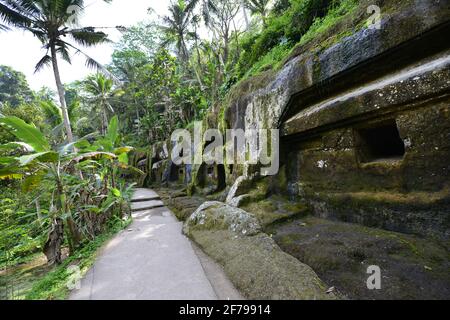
x=26, y=133
x=11, y=14
x=88, y=36
x=62, y=50
x=45, y=61
x=41, y=35
x=93, y=64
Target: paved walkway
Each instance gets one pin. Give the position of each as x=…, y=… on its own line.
x=153, y=260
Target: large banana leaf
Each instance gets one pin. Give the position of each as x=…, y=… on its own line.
x=48, y=156
x=11, y=173
x=88, y=165
x=130, y=169
x=7, y=160
x=15, y=145
x=26, y=133
x=122, y=150
x=103, y=144
x=70, y=147
x=123, y=158
x=113, y=130
x=81, y=144
x=94, y=155
x=33, y=181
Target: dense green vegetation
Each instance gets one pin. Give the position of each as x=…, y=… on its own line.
x=64, y=155
x=171, y=74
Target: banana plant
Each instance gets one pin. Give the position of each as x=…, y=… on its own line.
x=38, y=161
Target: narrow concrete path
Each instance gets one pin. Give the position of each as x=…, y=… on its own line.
x=153, y=260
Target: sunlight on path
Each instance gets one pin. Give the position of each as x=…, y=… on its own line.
x=152, y=260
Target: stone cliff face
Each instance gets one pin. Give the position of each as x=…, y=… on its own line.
x=364, y=120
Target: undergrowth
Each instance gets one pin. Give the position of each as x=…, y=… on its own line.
x=53, y=286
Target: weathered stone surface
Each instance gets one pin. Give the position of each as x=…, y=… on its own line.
x=180, y=203
x=275, y=209
x=252, y=260
x=260, y=102
x=340, y=253
x=403, y=87
x=239, y=200
x=220, y=216
x=325, y=92
x=259, y=269
x=423, y=214
x=242, y=185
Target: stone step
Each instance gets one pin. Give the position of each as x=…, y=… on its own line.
x=147, y=205
x=145, y=199
x=143, y=194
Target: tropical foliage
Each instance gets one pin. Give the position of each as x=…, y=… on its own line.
x=83, y=180
x=52, y=22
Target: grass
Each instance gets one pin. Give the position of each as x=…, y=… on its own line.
x=53, y=285
x=17, y=280
x=270, y=61
x=276, y=56
x=335, y=15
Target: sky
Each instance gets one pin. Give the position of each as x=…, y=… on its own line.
x=21, y=51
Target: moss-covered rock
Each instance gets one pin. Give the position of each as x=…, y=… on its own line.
x=220, y=216
x=259, y=269
x=275, y=209
x=340, y=253
x=251, y=259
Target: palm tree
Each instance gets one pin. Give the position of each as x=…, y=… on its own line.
x=207, y=7
x=52, y=21
x=100, y=89
x=259, y=7
x=177, y=24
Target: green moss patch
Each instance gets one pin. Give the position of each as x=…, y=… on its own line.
x=275, y=209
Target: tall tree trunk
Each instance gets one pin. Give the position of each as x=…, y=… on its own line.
x=247, y=23
x=238, y=45
x=61, y=94
x=199, y=63
x=38, y=211
x=104, y=119
x=75, y=236
x=52, y=248
x=226, y=48
x=73, y=233
x=138, y=117
x=197, y=75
